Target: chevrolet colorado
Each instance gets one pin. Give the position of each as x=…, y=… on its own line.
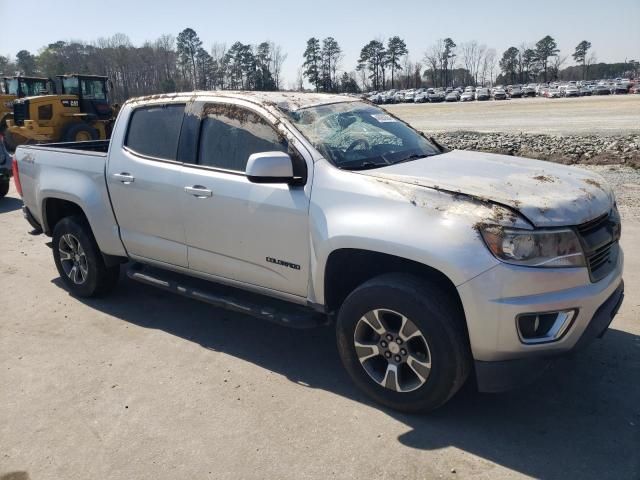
x=436, y=265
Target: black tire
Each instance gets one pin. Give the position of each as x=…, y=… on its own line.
x=440, y=321
x=72, y=132
x=99, y=279
x=4, y=187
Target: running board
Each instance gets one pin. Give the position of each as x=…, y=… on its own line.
x=229, y=298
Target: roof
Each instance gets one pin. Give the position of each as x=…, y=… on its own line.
x=283, y=100
x=69, y=75
x=25, y=77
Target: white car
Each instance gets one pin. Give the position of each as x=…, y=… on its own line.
x=571, y=91
x=409, y=96
x=467, y=96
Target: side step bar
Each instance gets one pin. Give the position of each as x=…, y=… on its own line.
x=229, y=298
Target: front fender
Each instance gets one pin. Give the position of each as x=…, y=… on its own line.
x=434, y=228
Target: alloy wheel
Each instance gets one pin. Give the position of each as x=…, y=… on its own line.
x=392, y=350
x=73, y=259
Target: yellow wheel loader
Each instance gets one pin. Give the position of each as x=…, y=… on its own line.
x=81, y=112
x=20, y=87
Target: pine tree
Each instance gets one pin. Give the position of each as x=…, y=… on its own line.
x=396, y=49
x=312, y=62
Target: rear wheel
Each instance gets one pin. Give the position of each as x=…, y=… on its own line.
x=79, y=261
x=403, y=342
x=80, y=132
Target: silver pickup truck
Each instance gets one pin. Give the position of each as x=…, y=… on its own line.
x=436, y=266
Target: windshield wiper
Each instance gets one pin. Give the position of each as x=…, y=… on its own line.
x=366, y=165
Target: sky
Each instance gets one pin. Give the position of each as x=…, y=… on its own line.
x=612, y=26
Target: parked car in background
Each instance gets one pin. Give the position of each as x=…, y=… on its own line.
x=601, y=90
x=421, y=97
x=467, y=96
x=452, y=96
x=436, y=96
x=528, y=91
x=483, y=94
x=389, y=97
x=376, y=98
x=553, y=93
x=5, y=168
x=635, y=89
x=620, y=88
x=499, y=94
x=571, y=91
x=409, y=96
x=398, y=97
x=515, y=92
x=585, y=91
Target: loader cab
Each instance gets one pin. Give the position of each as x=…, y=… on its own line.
x=91, y=91
x=21, y=87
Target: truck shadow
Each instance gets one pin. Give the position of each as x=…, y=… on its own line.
x=10, y=204
x=580, y=420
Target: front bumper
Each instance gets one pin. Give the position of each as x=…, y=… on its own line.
x=507, y=374
x=493, y=300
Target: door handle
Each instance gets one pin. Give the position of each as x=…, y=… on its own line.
x=198, y=191
x=124, y=177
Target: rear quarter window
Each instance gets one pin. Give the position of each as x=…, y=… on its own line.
x=154, y=131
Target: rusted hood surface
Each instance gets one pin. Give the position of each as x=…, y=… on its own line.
x=547, y=194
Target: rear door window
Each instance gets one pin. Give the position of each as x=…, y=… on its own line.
x=154, y=131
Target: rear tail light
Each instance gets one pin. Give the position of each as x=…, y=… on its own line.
x=16, y=175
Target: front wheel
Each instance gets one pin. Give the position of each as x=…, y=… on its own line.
x=79, y=261
x=403, y=342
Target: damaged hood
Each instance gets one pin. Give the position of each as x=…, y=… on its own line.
x=547, y=194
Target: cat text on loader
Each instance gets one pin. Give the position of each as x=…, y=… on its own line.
x=19, y=87
x=81, y=112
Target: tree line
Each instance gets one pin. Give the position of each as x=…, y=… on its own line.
x=182, y=63
x=167, y=64
x=543, y=62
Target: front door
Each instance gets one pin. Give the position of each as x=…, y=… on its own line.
x=256, y=234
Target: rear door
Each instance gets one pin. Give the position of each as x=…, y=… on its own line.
x=251, y=233
x=146, y=185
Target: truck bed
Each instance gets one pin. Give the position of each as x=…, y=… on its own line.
x=70, y=172
x=89, y=146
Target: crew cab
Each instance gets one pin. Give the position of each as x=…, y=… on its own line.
x=307, y=209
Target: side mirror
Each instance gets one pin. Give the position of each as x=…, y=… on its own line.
x=270, y=167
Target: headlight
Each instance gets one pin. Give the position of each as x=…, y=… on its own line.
x=541, y=248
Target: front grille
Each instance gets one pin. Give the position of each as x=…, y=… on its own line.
x=599, y=239
x=20, y=112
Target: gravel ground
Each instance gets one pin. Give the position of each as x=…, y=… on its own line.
x=583, y=149
x=600, y=115
x=626, y=185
